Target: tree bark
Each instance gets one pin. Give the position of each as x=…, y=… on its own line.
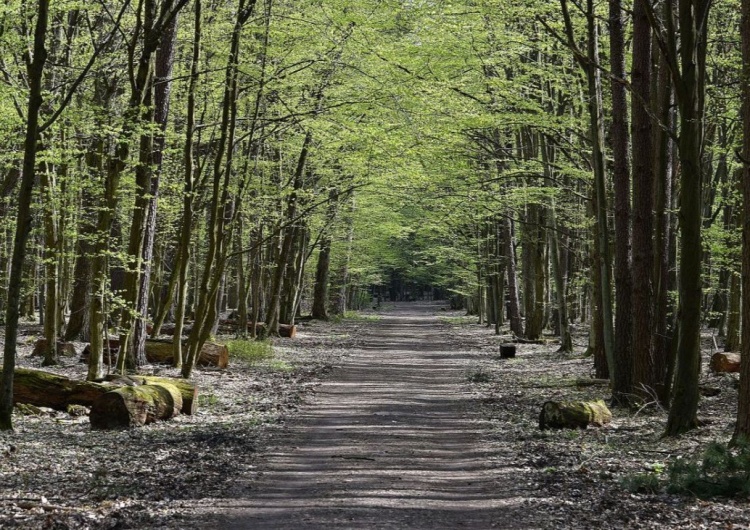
x=622, y=386
x=742, y=428
x=646, y=382
x=23, y=218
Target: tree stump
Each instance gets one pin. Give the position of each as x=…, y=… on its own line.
x=573, y=414
x=722, y=362
x=507, y=351
x=135, y=406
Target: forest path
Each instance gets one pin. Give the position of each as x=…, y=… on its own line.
x=391, y=439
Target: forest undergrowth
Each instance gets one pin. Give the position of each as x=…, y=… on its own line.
x=616, y=476
x=56, y=473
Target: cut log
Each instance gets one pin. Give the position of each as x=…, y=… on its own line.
x=188, y=390
x=722, y=362
x=45, y=389
x=65, y=349
x=212, y=353
x=507, y=351
x=134, y=406
x=574, y=414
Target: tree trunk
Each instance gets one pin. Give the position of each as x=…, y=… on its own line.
x=183, y=250
x=646, y=382
x=516, y=324
x=596, y=119
x=23, y=216
x=690, y=89
x=742, y=428
x=622, y=386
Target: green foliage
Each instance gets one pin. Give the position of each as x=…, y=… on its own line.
x=723, y=471
x=251, y=351
x=478, y=375
x=642, y=483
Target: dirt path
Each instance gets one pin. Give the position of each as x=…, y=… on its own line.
x=392, y=439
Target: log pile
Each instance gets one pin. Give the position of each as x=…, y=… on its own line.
x=573, y=414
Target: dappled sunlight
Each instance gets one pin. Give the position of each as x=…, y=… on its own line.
x=393, y=440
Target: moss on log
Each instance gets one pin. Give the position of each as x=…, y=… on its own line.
x=573, y=414
x=188, y=390
x=212, y=353
x=134, y=406
x=45, y=389
x=724, y=362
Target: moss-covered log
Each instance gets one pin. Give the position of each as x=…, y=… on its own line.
x=134, y=406
x=724, y=362
x=188, y=390
x=573, y=414
x=45, y=389
x=212, y=353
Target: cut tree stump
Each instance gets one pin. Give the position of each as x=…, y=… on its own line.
x=573, y=414
x=212, y=353
x=45, y=389
x=507, y=351
x=134, y=406
x=724, y=362
x=65, y=349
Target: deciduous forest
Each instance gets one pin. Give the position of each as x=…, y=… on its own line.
x=210, y=210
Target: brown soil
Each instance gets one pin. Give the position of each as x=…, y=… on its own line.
x=393, y=439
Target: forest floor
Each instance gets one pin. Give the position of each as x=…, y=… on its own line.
x=405, y=419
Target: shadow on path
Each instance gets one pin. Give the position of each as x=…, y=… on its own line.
x=392, y=440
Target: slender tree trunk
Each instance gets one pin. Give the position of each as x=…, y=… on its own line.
x=693, y=14
x=516, y=324
x=23, y=216
x=742, y=428
x=183, y=251
x=663, y=149
x=596, y=118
